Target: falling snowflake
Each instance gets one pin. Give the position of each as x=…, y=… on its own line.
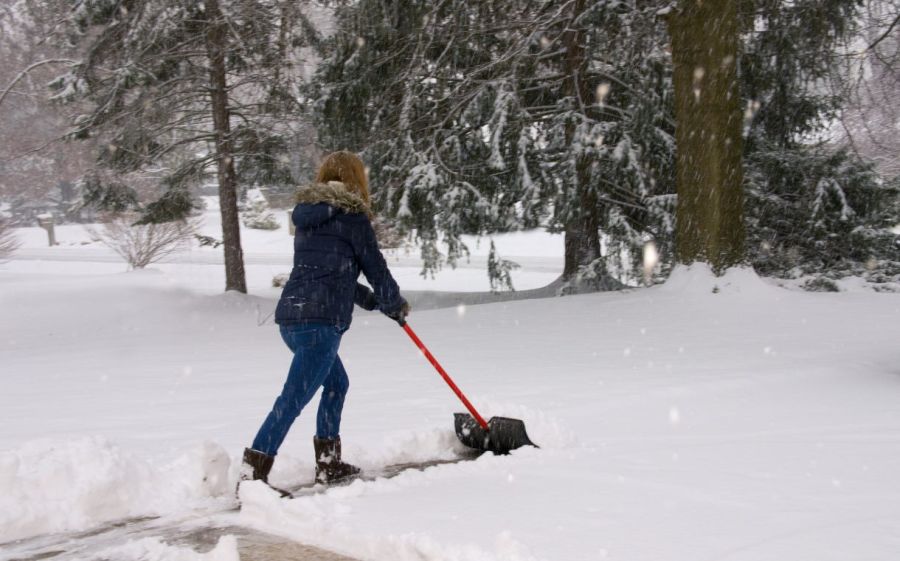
x=674, y=416
x=602, y=92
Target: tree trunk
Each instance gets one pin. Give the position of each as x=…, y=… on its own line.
x=709, y=215
x=582, y=237
x=216, y=44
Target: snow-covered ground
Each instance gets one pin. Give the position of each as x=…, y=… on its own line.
x=705, y=419
x=268, y=253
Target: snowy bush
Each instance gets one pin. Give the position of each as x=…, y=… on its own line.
x=258, y=216
x=8, y=241
x=279, y=280
x=821, y=284
x=499, y=271
x=141, y=245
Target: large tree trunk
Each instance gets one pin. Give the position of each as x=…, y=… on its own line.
x=709, y=216
x=216, y=43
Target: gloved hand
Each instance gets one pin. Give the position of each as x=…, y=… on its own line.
x=399, y=315
x=365, y=298
x=369, y=302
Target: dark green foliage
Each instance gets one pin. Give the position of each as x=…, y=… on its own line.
x=814, y=210
x=470, y=124
x=810, y=208
x=821, y=285
x=788, y=53
x=174, y=204
x=129, y=150
x=112, y=196
x=265, y=159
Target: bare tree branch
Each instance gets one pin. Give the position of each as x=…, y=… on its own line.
x=884, y=35
x=144, y=244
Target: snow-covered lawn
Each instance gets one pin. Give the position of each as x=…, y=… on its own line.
x=268, y=253
x=706, y=419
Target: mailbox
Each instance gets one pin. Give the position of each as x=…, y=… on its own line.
x=45, y=221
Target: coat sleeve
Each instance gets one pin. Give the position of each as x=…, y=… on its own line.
x=364, y=297
x=375, y=269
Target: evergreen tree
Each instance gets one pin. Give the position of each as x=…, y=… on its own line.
x=810, y=208
x=488, y=117
x=257, y=214
x=188, y=88
x=494, y=116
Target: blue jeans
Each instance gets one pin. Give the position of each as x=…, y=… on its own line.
x=316, y=364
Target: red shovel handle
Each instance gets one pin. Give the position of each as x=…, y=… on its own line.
x=444, y=375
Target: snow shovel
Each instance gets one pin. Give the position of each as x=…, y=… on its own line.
x=499, y=435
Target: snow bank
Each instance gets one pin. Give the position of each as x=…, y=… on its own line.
x=699, y=279
x=55, y=486
x=153, y=549
x=430, y=444
x=317, y=521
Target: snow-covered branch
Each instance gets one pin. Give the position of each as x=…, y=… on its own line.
x=31, y=68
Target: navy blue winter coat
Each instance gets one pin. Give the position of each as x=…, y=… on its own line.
x=334, y=242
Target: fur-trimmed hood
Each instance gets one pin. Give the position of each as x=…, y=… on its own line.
x=335, y=194
x=318, y=202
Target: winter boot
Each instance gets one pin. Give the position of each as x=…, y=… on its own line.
x=257, y=466
x=329, y=467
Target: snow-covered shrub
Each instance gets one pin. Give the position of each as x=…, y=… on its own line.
x=258, y=216
x=8, y=241
x=821, y=284
x=279, y=280
x=141, y=245
x=499, y=271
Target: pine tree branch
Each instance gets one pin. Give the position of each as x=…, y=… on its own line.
x=34, y=66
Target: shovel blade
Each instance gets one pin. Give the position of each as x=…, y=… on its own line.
x=504, y=434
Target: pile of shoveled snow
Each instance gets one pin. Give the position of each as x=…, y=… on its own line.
x=54, y=486
x=698, y=279
x=153, y=549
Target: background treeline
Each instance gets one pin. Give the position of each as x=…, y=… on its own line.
x=478, y=118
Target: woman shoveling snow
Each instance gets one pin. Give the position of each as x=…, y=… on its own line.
x=334, y=242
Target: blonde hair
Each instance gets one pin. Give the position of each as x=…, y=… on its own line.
x=347, y=168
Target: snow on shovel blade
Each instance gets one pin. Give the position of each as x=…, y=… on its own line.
x=505, y=434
